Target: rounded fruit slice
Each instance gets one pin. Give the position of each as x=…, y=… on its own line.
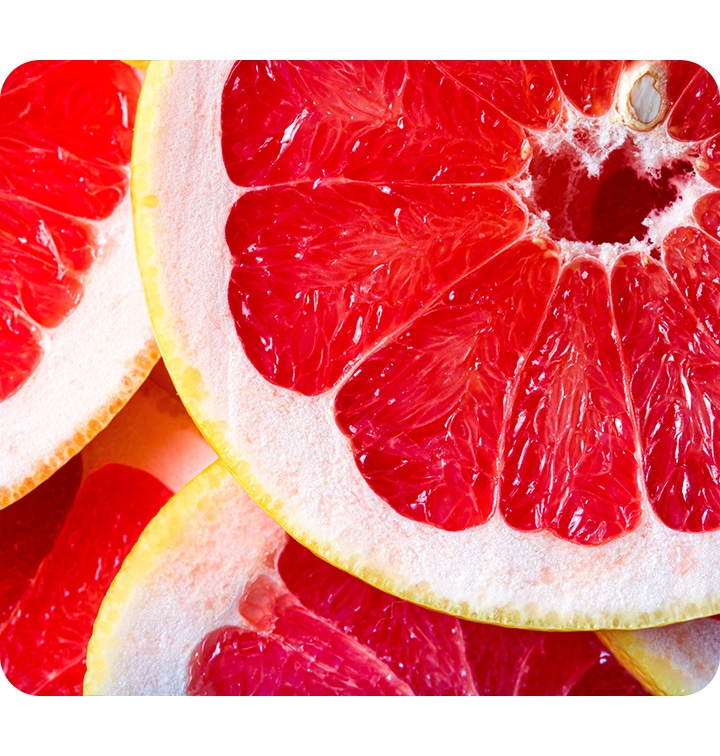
x=453, y=324
x=75, y=339
x=216, y=599
x=62, y=544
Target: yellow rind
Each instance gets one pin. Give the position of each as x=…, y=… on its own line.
x=157, y=538
x=135, y=367
x=137, y=373
x=149, y=566
x=669, y=661
x=181, y=580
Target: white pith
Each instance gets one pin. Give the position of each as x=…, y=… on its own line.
x=92, y=362
x=152, y=433
x=287, y=451
x=601, y=136
x=676, y=660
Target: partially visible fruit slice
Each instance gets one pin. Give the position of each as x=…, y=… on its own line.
x=216, y=599
x=453, y=324
x=75, y=339
x=61, y=545
x=671, y=661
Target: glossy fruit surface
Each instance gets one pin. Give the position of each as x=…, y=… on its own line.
x=62, y=544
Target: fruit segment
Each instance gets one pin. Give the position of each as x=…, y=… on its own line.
x=589, y=84
x=708, y=164
x=28, y=532
x=707, y=213
x=508, y=662
x=675, y=388
x=46, y=635
x=266, y=616
x=62, y=544
x=365, y=121
x=524, y=90
x=693, y=260
x=696, y=114
x=302, y=656
x=425, y=649
x=322, y=273
x=425, y=411
x=570, y=461
x=65, y=135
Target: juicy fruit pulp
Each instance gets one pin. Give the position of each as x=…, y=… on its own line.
x=65, y=138
x=67, y=258
x=476, y=264
x=44, y=639
x=310, y=615
x=62, y=544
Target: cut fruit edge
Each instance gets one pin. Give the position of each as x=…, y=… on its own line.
x=161, y=605
x=146, y=629
x=493, y=573
x=92, y=363
x=672, y=661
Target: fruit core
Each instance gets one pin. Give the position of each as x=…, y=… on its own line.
x=586, y=196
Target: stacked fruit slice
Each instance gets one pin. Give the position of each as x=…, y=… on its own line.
x=216, y=599
x=62, y=544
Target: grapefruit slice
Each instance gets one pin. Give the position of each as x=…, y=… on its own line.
x=216, y=599
x=61, y=545
x=75, y=339
x=452, y=324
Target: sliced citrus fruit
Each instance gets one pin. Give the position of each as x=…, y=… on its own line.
x=75, y=339
x=61, y=544
x=454, y=325
x=216, y=599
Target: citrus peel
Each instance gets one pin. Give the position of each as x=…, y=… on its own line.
x=214, y=599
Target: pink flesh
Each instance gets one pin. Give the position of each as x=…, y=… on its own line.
x=373, y=203
x=675, y=387
x=318, y=631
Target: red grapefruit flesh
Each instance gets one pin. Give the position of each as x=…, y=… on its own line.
x=466, y=315
x=42, y=645
x=327, y=633
x=66, y=255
